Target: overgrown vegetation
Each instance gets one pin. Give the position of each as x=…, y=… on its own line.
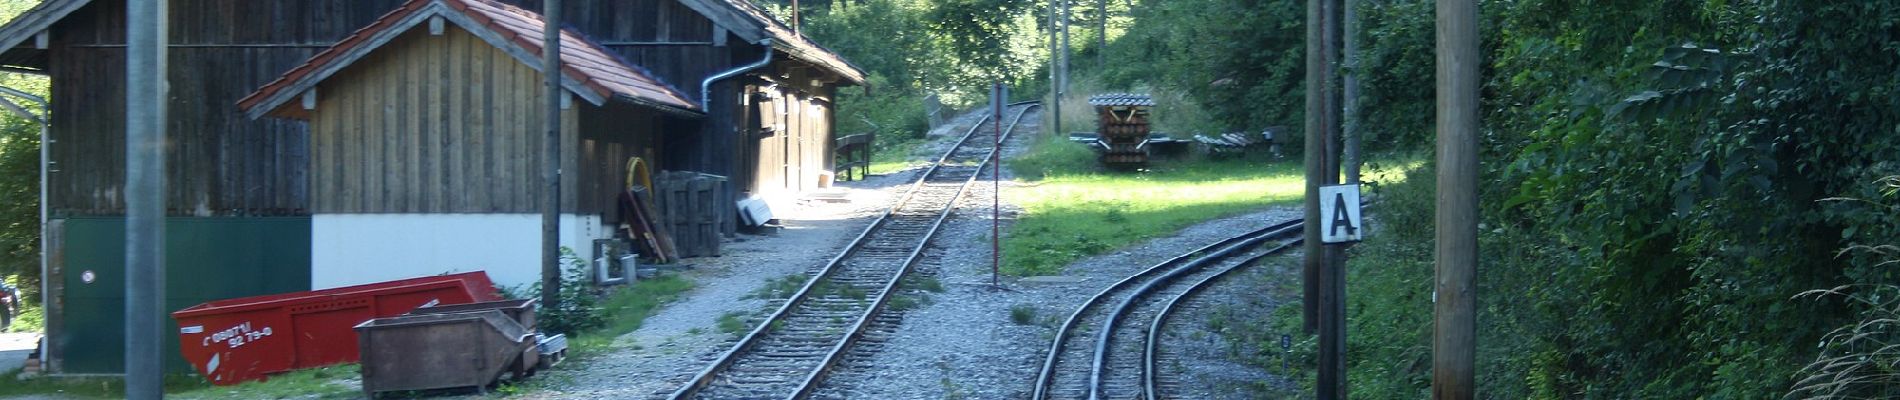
x=330, y=382
x=1653, y=174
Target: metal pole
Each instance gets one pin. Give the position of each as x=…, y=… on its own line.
x=1455, y=298
x=551, y=209
x=144, y=198
x=999, y=95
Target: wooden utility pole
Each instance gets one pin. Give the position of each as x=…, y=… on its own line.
x=1101, y=34
x=1351, y=99
x=145, y=98
x=1313, y=255
x=1454, y=340
x=1055, y=71
x=1065, y=46
x=1324, y=264
x=551, y=208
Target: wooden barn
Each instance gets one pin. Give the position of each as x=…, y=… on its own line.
x=307, y=152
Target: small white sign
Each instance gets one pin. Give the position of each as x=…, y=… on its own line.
x=1339, y=214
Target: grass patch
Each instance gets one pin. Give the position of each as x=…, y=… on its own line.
x=317, y=383
x=1022, y=314
x=11, y=384
x=733, y=323
x=895, y=156
x=625, y=309
x=778, y=288
x=1075, y=211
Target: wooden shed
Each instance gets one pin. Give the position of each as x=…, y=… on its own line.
x=242, y=191
x=426, y=141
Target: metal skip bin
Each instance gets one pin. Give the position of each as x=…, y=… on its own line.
x=441, y=351
x=245, y=339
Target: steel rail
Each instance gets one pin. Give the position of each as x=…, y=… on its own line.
x=1046, y=375
x=1140, y=296
x=857, y=331
x=1149, y=390
x=705, y=377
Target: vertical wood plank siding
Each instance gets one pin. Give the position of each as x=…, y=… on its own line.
x=372, y=129
x=223, y=164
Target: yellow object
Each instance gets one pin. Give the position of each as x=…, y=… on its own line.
x=645, y=173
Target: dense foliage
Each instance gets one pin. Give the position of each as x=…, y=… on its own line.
x=1657, y=181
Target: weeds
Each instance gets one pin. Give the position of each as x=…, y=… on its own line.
x=733, y=323
x=1023, y=314
x=779, y=288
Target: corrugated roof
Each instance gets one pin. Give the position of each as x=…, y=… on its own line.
x=1121, y=99
x=589, y=69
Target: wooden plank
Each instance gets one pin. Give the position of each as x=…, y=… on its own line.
x=429, y=111
x=483, y=131
x=416, y=53
x=458, y=132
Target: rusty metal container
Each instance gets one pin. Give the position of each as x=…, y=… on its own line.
x=520, y=310
x=441, y=351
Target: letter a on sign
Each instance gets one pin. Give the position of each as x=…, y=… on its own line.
x=1339, y=214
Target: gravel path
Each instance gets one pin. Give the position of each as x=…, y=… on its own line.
x=957, y=341
x=682, y=338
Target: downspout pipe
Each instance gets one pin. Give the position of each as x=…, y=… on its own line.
x=705, y=86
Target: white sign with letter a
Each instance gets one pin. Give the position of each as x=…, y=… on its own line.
x=1339, y=214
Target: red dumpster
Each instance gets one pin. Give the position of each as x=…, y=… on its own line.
x=244, y=339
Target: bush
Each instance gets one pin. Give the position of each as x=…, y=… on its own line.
x=578, y=311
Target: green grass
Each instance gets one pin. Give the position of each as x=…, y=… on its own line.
x=316, y=383
x=1022, y=314
x=1073, y=210
x=779, y=288
x=625, y=309
x=11, y=384
x=733, y=323
x=895, y=156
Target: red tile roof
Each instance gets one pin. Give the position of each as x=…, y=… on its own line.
x=583, y=62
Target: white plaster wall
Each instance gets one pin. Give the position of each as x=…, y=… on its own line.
x=351, y=249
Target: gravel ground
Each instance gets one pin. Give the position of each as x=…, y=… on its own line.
x=1225, y=366
x=681, y=338
x=963, y=342
x=957, y=342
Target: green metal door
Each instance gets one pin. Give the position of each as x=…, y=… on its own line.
x=205, y=259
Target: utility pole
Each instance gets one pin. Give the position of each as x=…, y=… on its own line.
x=145, y=98
x=551, y=209
x=999, y=95
x=1055, y=82
x=1455, y=297
x=795, y=17
x=1101, y=34
x=1324, y=271
x=1351, y=74
x=1065, y=46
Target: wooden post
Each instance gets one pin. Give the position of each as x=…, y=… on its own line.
x=998, y=95
x=551, y=209
x=1055, y=82
x=1350, y=127
x=145, y=100
x=1101, y=33
x=1065, y=47
x=1454, y=341
x=1324, y=271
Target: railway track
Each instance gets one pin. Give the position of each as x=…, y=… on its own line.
x=790, y=353
x=1106, y=349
